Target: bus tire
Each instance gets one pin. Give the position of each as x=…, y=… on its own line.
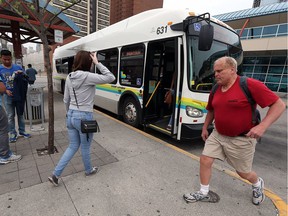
x=131, y=112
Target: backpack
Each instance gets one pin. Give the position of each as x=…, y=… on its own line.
x=256, y=117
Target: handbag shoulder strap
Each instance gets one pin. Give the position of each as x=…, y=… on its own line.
x=74, y=92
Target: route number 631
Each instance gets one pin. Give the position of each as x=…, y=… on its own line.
x=161, y=30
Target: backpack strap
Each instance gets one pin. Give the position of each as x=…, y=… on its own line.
x=214, y=89
x=244, y=87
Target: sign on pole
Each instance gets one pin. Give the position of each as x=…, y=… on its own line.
x=58, y=36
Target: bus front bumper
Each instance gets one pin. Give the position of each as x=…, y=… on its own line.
x=193, y=131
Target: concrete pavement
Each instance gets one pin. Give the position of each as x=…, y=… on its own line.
x=139, y=175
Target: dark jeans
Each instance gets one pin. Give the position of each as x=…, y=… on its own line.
x=4, y=138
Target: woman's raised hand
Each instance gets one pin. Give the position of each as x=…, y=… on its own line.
x=94, y=58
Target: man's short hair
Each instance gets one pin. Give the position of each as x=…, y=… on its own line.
x=29, y=65
x=5, y=53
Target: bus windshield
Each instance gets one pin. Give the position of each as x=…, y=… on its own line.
x=200, y=63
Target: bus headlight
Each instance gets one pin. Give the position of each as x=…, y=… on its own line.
x=193, y=112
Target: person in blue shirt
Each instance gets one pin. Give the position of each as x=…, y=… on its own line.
x=8, y=73
x=6, y=155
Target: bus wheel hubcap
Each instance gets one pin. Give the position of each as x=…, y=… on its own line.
x=130, y=112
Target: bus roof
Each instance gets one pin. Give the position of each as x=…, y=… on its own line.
x=138, y=28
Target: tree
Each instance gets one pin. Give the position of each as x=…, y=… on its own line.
x=33, y=7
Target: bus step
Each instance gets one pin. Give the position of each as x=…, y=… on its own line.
x=160, y=129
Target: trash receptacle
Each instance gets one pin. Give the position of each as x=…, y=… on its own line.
x=34, y=107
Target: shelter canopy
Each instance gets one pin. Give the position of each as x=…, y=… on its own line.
x=11, y=23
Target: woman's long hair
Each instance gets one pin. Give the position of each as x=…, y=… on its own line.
x=82, y=61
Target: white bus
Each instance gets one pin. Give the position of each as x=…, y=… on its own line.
x=145, y=52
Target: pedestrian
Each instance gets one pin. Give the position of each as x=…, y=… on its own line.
x=31, y=72
x=16, y=83
x=234, y=137
x=83, y=82
x=6, y=155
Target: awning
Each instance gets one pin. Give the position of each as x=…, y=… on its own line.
x=61, y=22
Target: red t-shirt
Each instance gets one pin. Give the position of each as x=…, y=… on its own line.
x=232, y=111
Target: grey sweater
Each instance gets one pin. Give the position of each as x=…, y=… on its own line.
x=84, y=84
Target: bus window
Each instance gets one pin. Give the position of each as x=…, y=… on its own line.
x=64, y=65
x=58, y=63
x=201, y=64
x=109, y=58
x=236, y=53
x=131, y=66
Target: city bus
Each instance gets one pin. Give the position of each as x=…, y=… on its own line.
x=151, y=53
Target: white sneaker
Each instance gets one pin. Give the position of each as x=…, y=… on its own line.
x=197, y=196
x=14, y=158
x=4, y=161
x=258, y=193
x=93, y=171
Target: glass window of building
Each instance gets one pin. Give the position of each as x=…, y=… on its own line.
x=278, y=60
x=249, y=60
x=263, y=60
x=273, y=78
x=260, y=77
x=284, y=79
x=269, y=31
x=255, y=32
x=247, y=69
x=285, y=70
x=244, y=33
x=282, y=31
x=260, y=69
x=271, y=70
x=276, y=69
x=272, y=86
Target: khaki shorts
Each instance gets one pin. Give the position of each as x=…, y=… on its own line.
x=238, y=151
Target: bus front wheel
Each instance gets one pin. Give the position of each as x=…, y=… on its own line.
x=131, y=114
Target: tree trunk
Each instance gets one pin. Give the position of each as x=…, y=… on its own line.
x=48, y=69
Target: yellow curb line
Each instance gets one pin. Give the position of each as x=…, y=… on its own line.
x=280, y=204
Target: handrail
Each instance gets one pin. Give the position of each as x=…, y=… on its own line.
x=152, y=94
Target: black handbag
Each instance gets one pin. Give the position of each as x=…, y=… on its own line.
x=89, y=126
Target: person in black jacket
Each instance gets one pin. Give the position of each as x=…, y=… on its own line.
x=14, y=96
x=6, y=155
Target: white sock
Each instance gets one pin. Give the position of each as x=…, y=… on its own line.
x=257, y=184
x=204, y=189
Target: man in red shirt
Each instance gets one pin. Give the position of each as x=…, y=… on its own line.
x=234, y=137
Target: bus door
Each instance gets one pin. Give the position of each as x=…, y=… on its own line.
x=160, y=77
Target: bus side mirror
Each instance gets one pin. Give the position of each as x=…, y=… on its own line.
x=205, y=37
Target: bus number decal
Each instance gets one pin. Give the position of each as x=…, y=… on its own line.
x=161, y=30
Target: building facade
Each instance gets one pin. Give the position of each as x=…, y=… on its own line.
x=261, y=3
x=264, y=36
x=122, y=9
x=88, y=15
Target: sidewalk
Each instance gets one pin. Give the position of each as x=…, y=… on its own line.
x=139, y=176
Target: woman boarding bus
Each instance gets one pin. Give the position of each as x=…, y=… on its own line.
x=145, y=52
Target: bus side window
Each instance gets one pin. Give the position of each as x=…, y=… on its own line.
x=109, y=58
x=132, y=64
x=64, y=65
